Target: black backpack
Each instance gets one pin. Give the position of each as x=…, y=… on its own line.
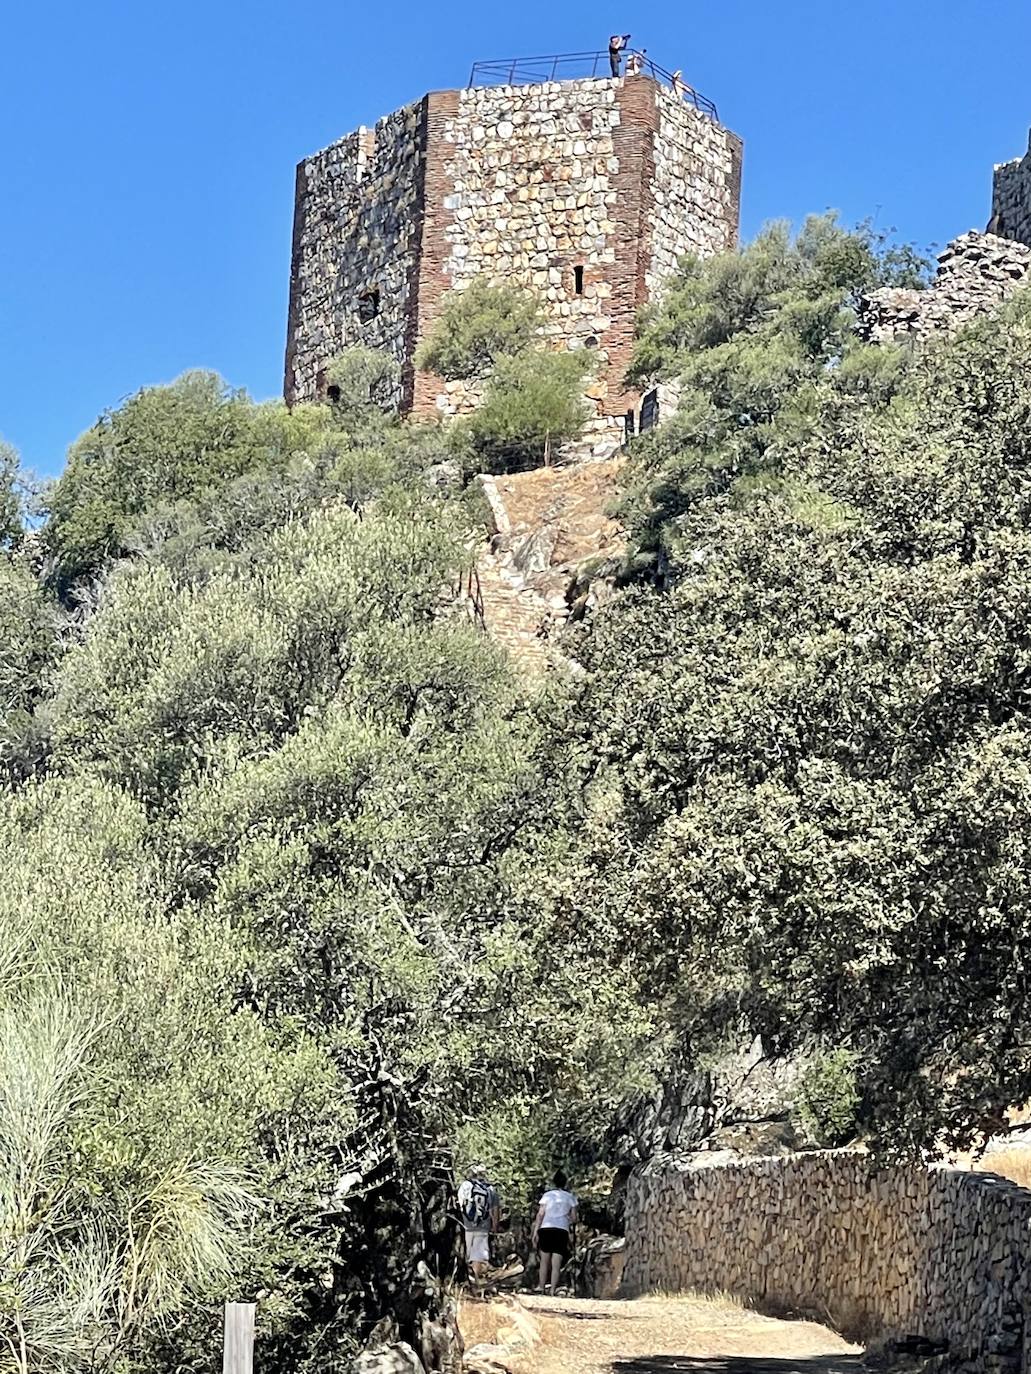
x=476, y=1208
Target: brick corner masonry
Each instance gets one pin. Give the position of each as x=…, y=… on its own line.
x=587, y=191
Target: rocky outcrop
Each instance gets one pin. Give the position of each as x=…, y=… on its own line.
x=976, y=273
x=398, y=1358
x=742, y=1106
x=599, y=1267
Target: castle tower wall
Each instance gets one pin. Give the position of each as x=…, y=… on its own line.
x=1011, y=200
x=357, y=228
x=587, y=192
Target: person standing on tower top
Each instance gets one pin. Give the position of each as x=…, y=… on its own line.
x=617, y=43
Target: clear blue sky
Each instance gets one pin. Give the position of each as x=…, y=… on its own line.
x=148, y=151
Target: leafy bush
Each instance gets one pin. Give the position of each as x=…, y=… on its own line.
x=478, y=327
x=828, y=1098
x=806, y=759
x=533, y=404
x=362, y=379
x=761, y=343
x=173, y=447
x=10, y=500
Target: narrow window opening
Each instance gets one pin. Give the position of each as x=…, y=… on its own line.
x=629, y=425
x=578, y=279
x=333, y=393
x=368, y=304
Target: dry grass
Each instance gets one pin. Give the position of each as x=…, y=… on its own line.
x=1013, y=1164
x=502, y=1321
x=717, y=1301
x=595, y=1337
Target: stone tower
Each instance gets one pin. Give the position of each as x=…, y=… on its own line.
x=586, y=190
x=1011, y=199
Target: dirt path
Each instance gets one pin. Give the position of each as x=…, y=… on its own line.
x=680, y=1336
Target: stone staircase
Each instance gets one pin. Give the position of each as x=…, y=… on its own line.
x=544, y=527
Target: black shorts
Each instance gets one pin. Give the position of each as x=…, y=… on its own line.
x=553, y=1240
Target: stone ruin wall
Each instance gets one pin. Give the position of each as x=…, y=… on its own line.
x=531, y=191
x=976, y=273
x=1011, y=199
x=365, y=192
x=695, y=189
x=519, y=184
x=882, y=1256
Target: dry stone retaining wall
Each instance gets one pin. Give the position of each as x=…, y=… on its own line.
x=903, y=1252
x=586, y=191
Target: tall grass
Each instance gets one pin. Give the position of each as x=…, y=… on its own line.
x=79, y=1272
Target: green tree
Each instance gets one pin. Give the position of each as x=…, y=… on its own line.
x=32, y=629
x=809, y=753
x=10, y=500
x=135, y=1092
x=760, y=342
x=532, y=405
x=173, y=447
x=479, y=326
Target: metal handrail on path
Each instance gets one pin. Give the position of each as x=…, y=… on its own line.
x=573, y=66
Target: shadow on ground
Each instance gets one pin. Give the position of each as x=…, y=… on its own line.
x=738, y=1364
x=568, y=1314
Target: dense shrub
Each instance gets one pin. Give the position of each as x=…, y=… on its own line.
x=478, y=327
x=532, y=405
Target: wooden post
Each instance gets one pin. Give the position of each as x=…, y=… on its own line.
x=238, y=1351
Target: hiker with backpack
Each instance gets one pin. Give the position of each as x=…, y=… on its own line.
x=480, y=1209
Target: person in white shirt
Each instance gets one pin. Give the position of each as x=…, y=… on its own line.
x=552, y=1231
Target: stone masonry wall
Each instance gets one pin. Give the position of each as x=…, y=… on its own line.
x=1011, y=199
x=887, y=1255
x=695, y=190
x=356, y=231
x=976, y=273
x=520, y=184
x=617, y=177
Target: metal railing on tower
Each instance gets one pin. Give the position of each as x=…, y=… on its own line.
x=574, y=66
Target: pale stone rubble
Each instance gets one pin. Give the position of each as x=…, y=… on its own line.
x=901, y=1257
x=976, y=273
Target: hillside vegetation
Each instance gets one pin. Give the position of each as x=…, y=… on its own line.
x=306, y=889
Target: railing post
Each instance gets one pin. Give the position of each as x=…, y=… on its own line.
x=238, y=1348
x=511, y=75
